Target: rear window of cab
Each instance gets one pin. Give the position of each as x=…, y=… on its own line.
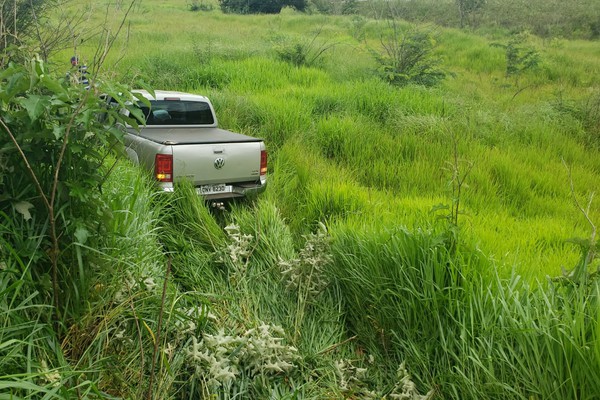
x=170, y=112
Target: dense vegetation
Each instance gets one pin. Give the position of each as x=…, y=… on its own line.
x=428, y=226
x=547, y=19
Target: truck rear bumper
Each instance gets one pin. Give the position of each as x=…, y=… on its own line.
x=239, y=190
x=235, y=190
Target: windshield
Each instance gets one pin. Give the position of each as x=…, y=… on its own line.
x=175, y=112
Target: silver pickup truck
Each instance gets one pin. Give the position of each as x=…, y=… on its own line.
x=180, y=140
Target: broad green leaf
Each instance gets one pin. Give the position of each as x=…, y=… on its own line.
x=22, y=208
x=81, y=234
x=38, y=65
x=86, y=116
x=18, y=83
x=8, y=72
x=137, y=114
x=76, y=148
x=116, y=132
x=58, y=102
x=143, y=85
x=59, y=131
x=54, y=86
x=143, y=98
x=35, y=105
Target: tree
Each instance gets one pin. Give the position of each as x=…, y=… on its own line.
x=259, y=6
x=519, y=56
x=18, y=17
x=408, y=57
x=466, y=8
x=26, y=22
x=54, y=149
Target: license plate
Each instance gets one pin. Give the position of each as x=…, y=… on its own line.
x=214, y=189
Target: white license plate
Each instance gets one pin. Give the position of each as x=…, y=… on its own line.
x=214, y=189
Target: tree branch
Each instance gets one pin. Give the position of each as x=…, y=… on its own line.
x=24, y=157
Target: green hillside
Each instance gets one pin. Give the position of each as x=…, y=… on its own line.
x=415, y=241
x=380, y=155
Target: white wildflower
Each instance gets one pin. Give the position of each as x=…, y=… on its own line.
x=129, y=285
x=120, y=334
x=221, y=357
x=351, y=378
x=169, y=349
x=239, y=248
x=406, y=389
x=211, y=317
x=307, y=272
x=150, y=284
x=51, y=377
x=23, y=207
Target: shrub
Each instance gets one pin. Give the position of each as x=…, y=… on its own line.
x=406, y=58
x=259, y=6
x=308, y=52
x=519, y=57
x=344, y=7
x=199, y=5
x=56, y=150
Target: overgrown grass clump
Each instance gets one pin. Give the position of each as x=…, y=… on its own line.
x=461, y=327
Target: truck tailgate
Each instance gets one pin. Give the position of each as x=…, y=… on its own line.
x=217, y=163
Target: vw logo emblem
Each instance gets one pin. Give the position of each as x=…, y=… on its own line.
x=219, y=162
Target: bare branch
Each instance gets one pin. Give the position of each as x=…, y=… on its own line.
x=110, y=40
x=24, y=157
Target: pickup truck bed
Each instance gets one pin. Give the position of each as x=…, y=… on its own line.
x=177, y=146
x=182, y=136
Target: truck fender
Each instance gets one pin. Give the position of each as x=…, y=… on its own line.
x=132, y=155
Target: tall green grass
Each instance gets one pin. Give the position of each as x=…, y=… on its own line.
x=462, y=328
x=31, y=363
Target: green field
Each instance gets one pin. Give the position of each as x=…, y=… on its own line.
x=361, y=273
x=380, y=156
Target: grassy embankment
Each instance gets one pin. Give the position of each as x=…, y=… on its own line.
x=370, y=161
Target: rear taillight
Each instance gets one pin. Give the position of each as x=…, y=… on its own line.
x=263, y=162
x=163, y=167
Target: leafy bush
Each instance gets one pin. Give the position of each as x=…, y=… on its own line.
x=586, y=113
x=54, y=157
x=408, y=57
x=590, y=115
x=259, y=6
x=466, y=8
x=575, y=19
x=307, y=52
x=519, y=56
x=358, y=27
x=198, y=5
x=306, y=273
x=336, y=7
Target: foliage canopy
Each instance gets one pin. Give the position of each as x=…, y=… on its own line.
x=260, y=6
